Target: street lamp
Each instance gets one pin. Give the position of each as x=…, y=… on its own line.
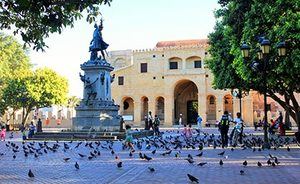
x=262, y=67
x=239, y=93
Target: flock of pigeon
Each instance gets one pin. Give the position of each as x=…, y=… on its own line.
x=172, y=144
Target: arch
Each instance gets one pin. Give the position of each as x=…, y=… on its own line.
x=160, y=108
x=228, y=104
x=144, y=107
x=193, y=62
x=119, y=63
x=186, y=101
x=211, y=106
x=128, y=107
x=175, y=63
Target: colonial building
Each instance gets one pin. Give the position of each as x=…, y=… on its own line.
x=172, y=79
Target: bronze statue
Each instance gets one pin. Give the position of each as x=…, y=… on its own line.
x=97, y=43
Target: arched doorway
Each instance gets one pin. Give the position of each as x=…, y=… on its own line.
x=228, y=104
x=127, y=110
x=160, y=108
x=144, y=110
x=186, y=101
x=211, y=108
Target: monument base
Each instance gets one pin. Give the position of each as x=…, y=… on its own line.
x=96, y=118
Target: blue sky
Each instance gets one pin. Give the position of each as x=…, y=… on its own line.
x=128, y=24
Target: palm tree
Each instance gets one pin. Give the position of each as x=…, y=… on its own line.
x=73, y=101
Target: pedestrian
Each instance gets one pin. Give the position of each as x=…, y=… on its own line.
x=31, y=130
x=39, y=125
x=146, y=122
x=180, y=121
x=224, y=127
x=199, y=122
x=156, y=125
x=239, y=124
x=23, y=132
x=122, y=122
x=3, y=133
x=280, y=124
x=150, y=120
x=129, y=138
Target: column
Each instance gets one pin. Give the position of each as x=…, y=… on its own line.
x=137, y=113
x=236, y=106
x=169, y=110
x=202, y=107
x=152, y=105
x=247, y=108
x=220, y=106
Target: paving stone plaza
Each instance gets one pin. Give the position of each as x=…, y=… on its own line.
x=51, y=167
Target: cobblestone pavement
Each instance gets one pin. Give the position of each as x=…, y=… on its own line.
x=51, y=168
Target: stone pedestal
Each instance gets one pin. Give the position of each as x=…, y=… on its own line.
x=97, y=111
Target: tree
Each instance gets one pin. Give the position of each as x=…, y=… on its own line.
x=240, y=21
x=14, y=63
x=34, y=20
x=73, y=101
x=41, y=88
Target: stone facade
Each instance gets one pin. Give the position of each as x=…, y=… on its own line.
x=172, y=79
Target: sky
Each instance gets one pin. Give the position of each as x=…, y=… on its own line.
x=130, y=24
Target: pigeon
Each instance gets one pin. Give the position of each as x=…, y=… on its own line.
x=30, y=174
x=193, y=178
x=14, y=157
x=200, y=154
x=245, y=163
x=269, y=162
x=242, y=172
x=191, y=161
x=141, y=155
x=202, y=164
x=81, y=155
x=153, y=152
x=222, y=153
x=151, y=169
x=76, y=165
x=276, y=161
x=119, y=164
x=66, y=159
x=221, y=162
x=288, y=149
x=130, y=154
x=273, y=164
x=112, y=152
x=259, y=164
x=147, y=158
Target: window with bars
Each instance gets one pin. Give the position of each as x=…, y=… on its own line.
x=197, y=64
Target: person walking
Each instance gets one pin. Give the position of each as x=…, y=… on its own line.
x=180, y=121
x=129, y=138
x=199, y=123
x=224, y=127
x=150, y=120
x=146, y=122
x=156, y=125
x=39, y=125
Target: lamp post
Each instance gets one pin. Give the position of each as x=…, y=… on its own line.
x=263, y=67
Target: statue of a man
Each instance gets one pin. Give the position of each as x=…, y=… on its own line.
x=97, y=43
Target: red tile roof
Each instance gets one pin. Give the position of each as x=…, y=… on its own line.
x=179, y=43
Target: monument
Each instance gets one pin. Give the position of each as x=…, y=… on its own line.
x=97, y=111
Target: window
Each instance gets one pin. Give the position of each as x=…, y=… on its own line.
x=197, y=64
x=144, y=68
x=153, y=56
x=173, y=65
x=154, y=77
x=121, y=80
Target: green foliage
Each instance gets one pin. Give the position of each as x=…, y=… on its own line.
x=34, y=20
x=41, y=88
x=240, y=21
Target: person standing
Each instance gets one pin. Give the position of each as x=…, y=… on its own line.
x=279, y=123
x=199, y=122
x=150, y=120
x=156, y=125
x=31, y=130
x=3, y=133
x=39, y=125
x=238, y=121
x=146, y=122
x=180, y=121
x=129, y=138
x=224, y=127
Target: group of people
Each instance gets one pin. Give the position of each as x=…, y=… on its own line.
x=152, y=123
